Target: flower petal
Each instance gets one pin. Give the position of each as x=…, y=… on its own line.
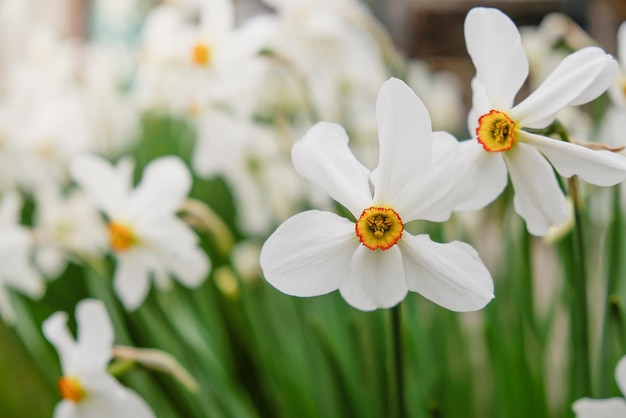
x=451, y=275
x=600, y=408
x=164, y=185
x=95, y=335
x=324, y=158
x=486, y=172
x=602, y=168
x=405, y=140
x=106, y=185
x=620, y=374
x=309, y=254
x=449, y=182
x=108, y=398
x=538, y=197
x=495, y=46
x=376, y=280
x=131, y=281
x=55, y=330
x=580, y=77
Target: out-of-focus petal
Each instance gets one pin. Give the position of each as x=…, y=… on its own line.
x=218, y=17
x=101, y=181
x=108, y=398
x=620, y=374
x=538, y=197
x=600, y=408
x=495, y=46
x=131, y=281
x=580, y=77
x=309, y=254
x=405, y=141
x=95, y=335
x=487, y=172
x=376, y=279
x=451, y=275
x=55, y=330
x=324, y=158
x=602, y=168
x=164, y=185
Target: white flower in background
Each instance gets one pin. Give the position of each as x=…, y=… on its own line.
x=500, y=143
x=15, y=249
x=442, y=94
x=66, y=228
x=88, y=390
x=145, y=235
x=253, y=163
x=191, y=58
x=332, y=46
x=374, y=262
x=546, y=45
x=605, y=408
x=54, y=130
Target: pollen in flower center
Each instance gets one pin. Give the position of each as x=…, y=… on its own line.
x=71, y=389
x=496, y=131
x=379, y=228
x=121, y=237
x=201, y=54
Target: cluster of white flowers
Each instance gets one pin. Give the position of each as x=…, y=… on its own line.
x=70, y=112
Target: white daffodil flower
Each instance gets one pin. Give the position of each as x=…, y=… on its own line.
x=144, y=233
x=605, y=408
x=374, y=262
x=88, y=390
x=500, y=142
x=16, y=271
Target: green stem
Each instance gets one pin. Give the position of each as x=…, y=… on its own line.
x=398, y=359
x=580, y=310
x=612, y=313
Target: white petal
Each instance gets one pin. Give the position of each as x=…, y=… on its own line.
x=95, y=334
x=324, y=158
x=480, y=106
x=65, y=409
x=579, y=78
x=602, y=168
x=600, y=408
x=376, y=280
x=131, y=281
x=108, y=398
x=486, y=172
x=405, y=140
x=164, y=185
x=620, y=374
x=451, y=275
x=448, y=183
x=309, y=254
x=621, y=45
x=218, y=17
x=538, y=197
x=106, y=186
x=495, y=46
x=10, y=208
x=7, y=313
x=190, y=266
x=55, y=330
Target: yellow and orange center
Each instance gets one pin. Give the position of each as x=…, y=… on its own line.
x=201, y=54
x=121, y=237
x=71, y=389
x=496, y=131
x=379, y=228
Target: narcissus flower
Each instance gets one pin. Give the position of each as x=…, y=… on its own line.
x=605, y=408
x=499, y=138
x=88, y=390
x=375, y=261
x=145, y=235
